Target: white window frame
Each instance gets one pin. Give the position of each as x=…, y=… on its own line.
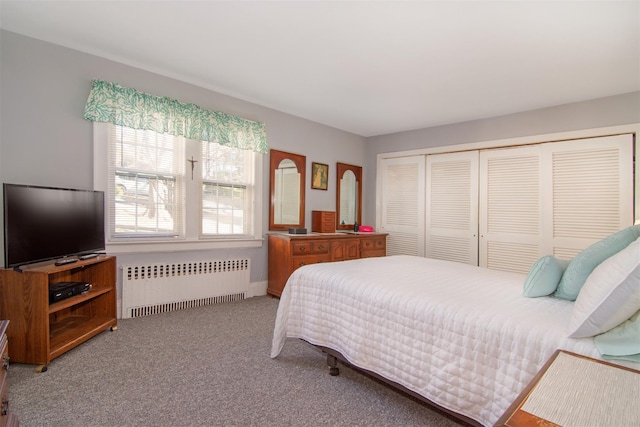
x=192, y=239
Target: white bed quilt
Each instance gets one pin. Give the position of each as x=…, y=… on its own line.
x=462, y=336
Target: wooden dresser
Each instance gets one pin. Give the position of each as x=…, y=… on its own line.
x=7, y=418
x=290, y=251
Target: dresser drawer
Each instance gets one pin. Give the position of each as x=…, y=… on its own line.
x=374, y=243
x=302, y=260
x=4, y=386
x=4, y=356
x=320, y=247
x=310, y=247
x=374, y=246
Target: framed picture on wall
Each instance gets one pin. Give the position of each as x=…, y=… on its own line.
x=319, y=176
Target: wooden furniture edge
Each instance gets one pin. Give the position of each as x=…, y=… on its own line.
x=524, y=394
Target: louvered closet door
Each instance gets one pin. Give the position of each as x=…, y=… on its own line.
x=452, y=207
x=591, y=191
x=402, y=204
x=510, y=208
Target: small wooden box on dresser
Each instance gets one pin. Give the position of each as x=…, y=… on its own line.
x=288, y=252
x=7, y=418
x=40, y=331
x=323, y=221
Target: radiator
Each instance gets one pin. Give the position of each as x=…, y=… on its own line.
x=162, y=287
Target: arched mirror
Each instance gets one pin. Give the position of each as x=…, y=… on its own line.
x=348, y=196
x=286, y=185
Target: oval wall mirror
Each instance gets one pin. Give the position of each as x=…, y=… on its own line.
x=286, y=185
x=348, y=196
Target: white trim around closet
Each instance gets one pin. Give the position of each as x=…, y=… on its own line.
x=517, y=141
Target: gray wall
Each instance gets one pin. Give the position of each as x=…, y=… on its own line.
x=610, y=111
x=44, y=139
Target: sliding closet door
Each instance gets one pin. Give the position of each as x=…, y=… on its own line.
x=402, y=193
x=552, y=198
x=510, y=208
x=591, y=191
x=555, y=198
x=452, y=207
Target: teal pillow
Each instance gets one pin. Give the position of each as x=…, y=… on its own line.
x=586, y=261
x=544, y=276
x=621, y=342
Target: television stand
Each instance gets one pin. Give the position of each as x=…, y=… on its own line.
x=39, y=331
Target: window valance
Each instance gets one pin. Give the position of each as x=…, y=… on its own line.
x=112, y=103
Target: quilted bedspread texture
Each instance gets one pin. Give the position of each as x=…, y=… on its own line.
x=462, y=336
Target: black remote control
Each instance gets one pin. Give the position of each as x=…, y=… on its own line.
x=66, y=261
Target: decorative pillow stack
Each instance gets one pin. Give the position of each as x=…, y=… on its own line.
x=586, y=261
x=604, y=281
x=549, y=274
x=610, y=295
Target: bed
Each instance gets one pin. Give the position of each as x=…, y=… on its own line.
x=461, y=337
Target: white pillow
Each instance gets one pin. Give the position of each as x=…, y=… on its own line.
x=610, y=295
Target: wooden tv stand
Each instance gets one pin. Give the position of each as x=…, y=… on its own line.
x=39, y=331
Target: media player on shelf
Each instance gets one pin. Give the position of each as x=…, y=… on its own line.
x=64, y=290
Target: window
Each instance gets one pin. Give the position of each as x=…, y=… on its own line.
x=226, y=190
x=164, y=188
x=146, y=183
x=153, y=196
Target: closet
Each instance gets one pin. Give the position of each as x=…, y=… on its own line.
x=503, y=208
x=403, y=204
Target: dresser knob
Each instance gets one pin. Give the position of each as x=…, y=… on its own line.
x=5, y=362
x=5, y=406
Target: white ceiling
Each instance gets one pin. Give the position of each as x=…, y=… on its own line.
x=367, y=67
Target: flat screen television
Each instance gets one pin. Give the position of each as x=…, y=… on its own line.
x=45, y=223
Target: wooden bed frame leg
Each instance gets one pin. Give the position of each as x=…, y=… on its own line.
x=332, y=362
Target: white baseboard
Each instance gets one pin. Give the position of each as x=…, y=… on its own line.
x=257, y=289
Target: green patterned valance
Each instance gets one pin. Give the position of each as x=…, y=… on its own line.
x=112, y=103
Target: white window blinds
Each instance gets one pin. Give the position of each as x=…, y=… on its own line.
x=227, y=189
x=146, y=183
